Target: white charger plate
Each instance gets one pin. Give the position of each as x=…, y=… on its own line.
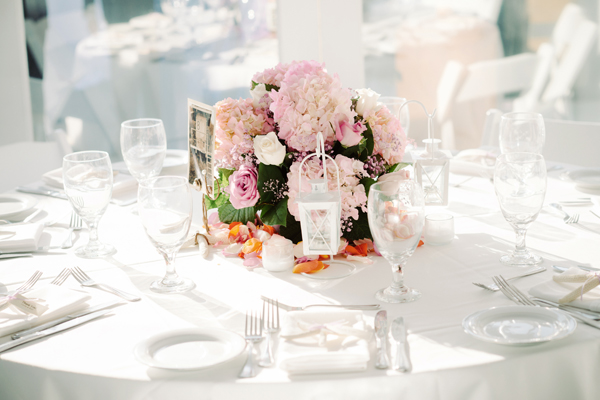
x=586, y=178
x=519, y=325
x=13, y=204
x=189, y=349
x=337, y=269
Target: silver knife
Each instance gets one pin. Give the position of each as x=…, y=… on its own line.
x=381, y=331
x=402, y=361
x=69, y=317
x=42, y=192
x=58, y=328
x=583, y=267
x=15, y=255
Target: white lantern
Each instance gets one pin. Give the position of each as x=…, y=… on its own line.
x=320, y=210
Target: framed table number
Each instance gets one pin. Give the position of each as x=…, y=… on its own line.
x=201, y=145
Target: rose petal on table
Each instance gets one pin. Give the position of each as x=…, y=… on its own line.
x=233, y=249
x=309, y=267
x=362, y=259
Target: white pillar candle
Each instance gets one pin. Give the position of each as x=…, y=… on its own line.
x=438, y=229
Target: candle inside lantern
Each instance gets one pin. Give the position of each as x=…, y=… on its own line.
x=277, y=254
x=438, y=229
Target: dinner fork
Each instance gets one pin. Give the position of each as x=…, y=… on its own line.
x=85, y=280
x=74, y=225
x=252, y=334
x=62, y=277
x=494, y=288
x=28, y=284
x=270, y=313
x=569, y=219
x=519, y=297
x=348, y=306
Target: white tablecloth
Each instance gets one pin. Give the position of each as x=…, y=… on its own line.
x=95, y=360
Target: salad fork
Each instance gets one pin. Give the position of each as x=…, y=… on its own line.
x=569, y=219
x=85, y=280
x=271, y=325
x=28, y=284
x=494, y=288
x=62, y=277
x=74, y=225
x=350, y=307
x=252, y=334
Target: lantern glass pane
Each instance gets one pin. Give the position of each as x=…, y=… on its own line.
x=319, y=230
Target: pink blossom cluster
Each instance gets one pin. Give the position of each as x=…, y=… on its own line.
x=237, y=122
x=272, y=76
x=389, y=137
x=309, y=101
x=352, y=192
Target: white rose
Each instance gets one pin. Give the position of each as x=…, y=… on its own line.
x=268, y=149
x=257, y=93
x=367, y=101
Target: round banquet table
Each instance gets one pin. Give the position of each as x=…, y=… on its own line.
x=95, y=360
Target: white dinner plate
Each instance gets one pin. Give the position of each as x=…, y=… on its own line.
x=175, y=158
x=189, y=349
x=337, y=269
x=13, y=204
x=519, y=325
x=586, y=178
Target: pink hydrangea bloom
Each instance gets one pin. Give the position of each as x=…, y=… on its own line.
x=237, y=122
x=389, y=137
x=272, y=76
x=309, y=101
x=351, y=190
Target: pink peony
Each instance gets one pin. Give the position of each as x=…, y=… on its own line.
x=242, y=189
x=347, y=133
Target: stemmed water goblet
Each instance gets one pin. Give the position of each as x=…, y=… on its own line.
x=396, y=214
x=144, y=146
x=393, y=104
x=165, y=208
x=522, y=132
x=520, y=184
x=88, y=181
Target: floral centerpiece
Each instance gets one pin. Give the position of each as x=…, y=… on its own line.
x=260, y=142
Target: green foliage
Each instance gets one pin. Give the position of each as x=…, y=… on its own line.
x=267, y=86
x=275, y=214
x=367, y=182
x=292, y=229
x=222, y=197
x=272, y=175
x=229, y=214
x=396, y=167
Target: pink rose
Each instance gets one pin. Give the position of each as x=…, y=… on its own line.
x=348, y=134
x=242, y=189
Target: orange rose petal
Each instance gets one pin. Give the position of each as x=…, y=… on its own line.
x=269, y=229
x=325, y=257
x=251, y=246
x=308, y=267
x=421, y=243
x=231, y=225
x=360, y=250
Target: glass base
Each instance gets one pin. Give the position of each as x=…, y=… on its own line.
x=99, y=250
x=393, y=295
x=179, y=285
x=521, y=260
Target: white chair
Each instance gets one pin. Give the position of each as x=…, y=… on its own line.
x=481, y=85
x=491, y=130
x=572, y=142
x=530, y=101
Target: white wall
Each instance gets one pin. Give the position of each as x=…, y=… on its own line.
x=15, y=103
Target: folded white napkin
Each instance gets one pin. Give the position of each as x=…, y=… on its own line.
x=554, y=291
x=473, y=162
x=324, y=341
x=121, y=182
x=22, y=237
x=59, y=300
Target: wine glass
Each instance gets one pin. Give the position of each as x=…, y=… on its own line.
x=522, y=132
x=165, y=207
x=393, y=104
x=88, y=181
x=144, y=146
x=520, y=184
x=396, y=211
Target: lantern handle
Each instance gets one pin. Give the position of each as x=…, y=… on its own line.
x=320, y=151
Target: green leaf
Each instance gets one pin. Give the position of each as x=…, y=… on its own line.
x=272, y=175
x=368, y=135
x=210, y=203
x=359, y=229
x=397, y=167
x=367, y=182
x=275, y=215
x=292, y=229
x=224, y=174
x=267, y=86
x=354, y=151
x=229, y=214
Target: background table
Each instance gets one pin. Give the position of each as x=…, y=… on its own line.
x=95, y=360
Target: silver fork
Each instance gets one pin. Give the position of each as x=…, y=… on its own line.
x=494, y=288
x=74, y=225
x=569, y=219
x=270, y=315
x=28, y=284
x=62, y=277
x=521, y=298
x=85, y=280
x=348, y=306
x=252, y=334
